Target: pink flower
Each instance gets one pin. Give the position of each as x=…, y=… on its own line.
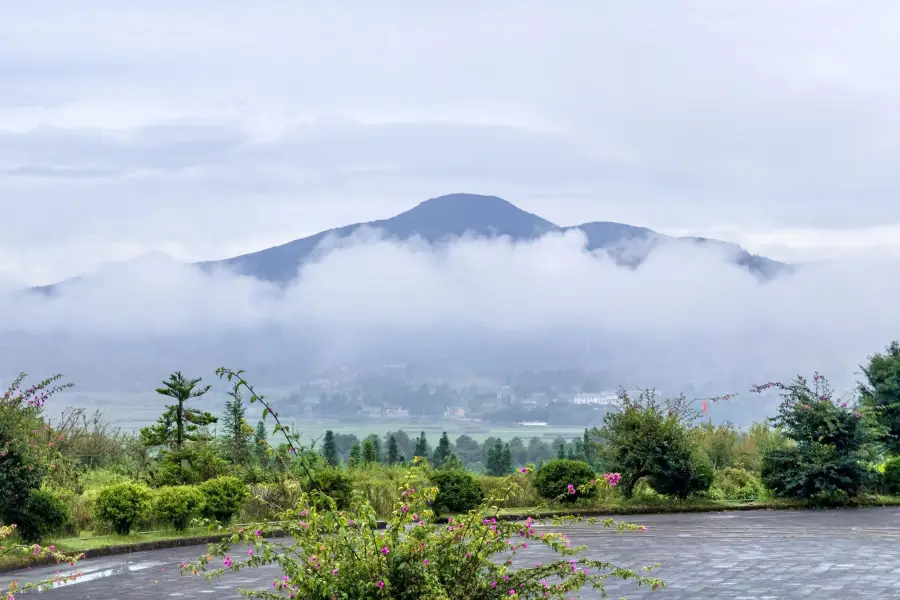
x=571, y=489
x=512, y=592
x=385, y=550
x=334, y=572
x=524, y=469
x=404, y=509
x=425, y=562
x=228, y=562
x=258, y=533
x=380, y=584
x=250, y=551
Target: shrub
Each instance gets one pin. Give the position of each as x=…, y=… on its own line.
x=683, y=473
x=336, y=484
x=42, y=514
x=458, y=491
x=345, y=555
x=123, y=505
x=177, y=505
x=833, y=444
x=553, y=479
x=738, y=484
x=891, y=476
x=223, y=497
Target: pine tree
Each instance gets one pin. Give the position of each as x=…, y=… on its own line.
x=261, y=447
x=237, y=432
x=329, y=449
x=442, y=452
x=561, y=450
x=393, y=451
x=506, y=460
x=369, y=452
x=355, y=456
x=422, y=449
x=498, y=459
x=179, y=424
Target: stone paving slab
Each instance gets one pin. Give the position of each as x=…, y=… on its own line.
x=766, y=555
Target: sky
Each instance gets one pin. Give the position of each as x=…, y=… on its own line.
x=205, y=130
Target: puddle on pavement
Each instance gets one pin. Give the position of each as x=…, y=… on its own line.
x=103, y=573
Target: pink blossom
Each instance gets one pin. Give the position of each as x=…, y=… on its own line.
x=380, y=584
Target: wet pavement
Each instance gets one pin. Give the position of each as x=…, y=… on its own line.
x=822, y=555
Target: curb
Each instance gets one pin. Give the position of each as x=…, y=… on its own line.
x=120, y=549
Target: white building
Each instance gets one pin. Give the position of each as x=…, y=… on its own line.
x=602, y=398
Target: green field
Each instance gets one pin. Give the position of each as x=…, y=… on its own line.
x=433, y=429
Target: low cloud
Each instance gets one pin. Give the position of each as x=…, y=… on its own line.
x=687, y=317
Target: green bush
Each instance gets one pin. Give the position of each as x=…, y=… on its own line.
x=223, y=497
x=738, y=484
x=123, y=505
x=334, y=483
x=891, y=477
x=42, y=515
x=458, y=491
x=177, y=505
x=553, y=479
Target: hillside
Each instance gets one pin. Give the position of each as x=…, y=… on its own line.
x=448, y=217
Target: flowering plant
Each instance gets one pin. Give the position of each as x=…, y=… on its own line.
x=33, y=551
x=329, y=553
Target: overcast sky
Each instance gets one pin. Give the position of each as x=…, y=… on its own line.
x=206, y=129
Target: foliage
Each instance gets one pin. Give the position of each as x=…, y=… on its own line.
x=458, y=491
x=393, y=451
x=344, y=554
x=650, y=438
x=223, y=497
x=193, y=463
x=179, y=424
x=737, y=484
x=329, y=449
x=33, y=552
x=759, y=440
x=123, y=505
x=43, y=514
x=499, y=459
x=880, y=393
x=237, y=432
x=370, y=451
x=26, y=453
x=177, y=505
x=554, y=478
x=891, y=477
x=355, y=456
x=833, y=444
x=442, y=452
x=719, y=443
x=333, y=482
x=421, y=450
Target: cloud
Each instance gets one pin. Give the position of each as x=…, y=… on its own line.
x=686, y=317
x=131, y=124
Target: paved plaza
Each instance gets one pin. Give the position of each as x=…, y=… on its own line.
x=822, y=555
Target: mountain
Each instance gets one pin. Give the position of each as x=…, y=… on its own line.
x=446, y=218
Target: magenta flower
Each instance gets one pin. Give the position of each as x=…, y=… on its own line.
x=385, y=550
x=425, y=562
x=571, y=489
x=228, y=562
x=524, y=469
x=380, y=584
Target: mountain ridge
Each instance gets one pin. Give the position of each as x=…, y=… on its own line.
x=444, y=218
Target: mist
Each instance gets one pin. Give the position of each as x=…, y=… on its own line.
x=687, y=318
